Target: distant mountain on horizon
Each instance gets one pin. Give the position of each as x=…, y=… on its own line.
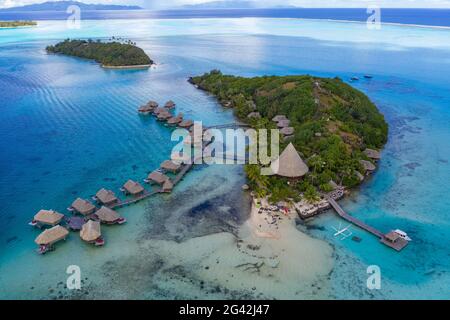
x=233, y=4
x=63, y=5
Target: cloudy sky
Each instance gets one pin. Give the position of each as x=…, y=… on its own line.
x=161, y=4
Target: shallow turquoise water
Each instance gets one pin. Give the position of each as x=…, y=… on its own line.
x=70, y=127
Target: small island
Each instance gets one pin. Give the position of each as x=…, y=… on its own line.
x=113, y=54
x=336, y=130
x=16, y=24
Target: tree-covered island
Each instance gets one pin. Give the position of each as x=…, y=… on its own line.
x=113, y=54
x=335, y=128
x=16, y=24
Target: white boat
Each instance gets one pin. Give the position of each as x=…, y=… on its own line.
x=402, y=234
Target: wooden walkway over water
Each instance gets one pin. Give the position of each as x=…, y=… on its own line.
x=398, y=245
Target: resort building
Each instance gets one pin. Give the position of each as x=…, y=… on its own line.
x=49, y=237
x=145, y=109
x=171, y=166
x=176, y=120
x=169, y=104
x=133, y=188
x=82, y=206
x=91, y=232
x=157, y=177
x=186, y=124
x=109, y=216
x=47, y=217
x=289, y=164
x=106, y=197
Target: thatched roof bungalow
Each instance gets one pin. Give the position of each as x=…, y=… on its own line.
x=157, y=177
x=51, y=236
x=82, y=206
x=169, y=104
x=48, y=217
x=175, y=120
x=106, y=197
x=145, y=109
x=133, y=188
x=169, y=165
x=289, y=164
x=186, y=124
x=108, y=216
x=153, y=104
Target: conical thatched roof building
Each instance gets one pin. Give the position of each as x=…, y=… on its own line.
x=50, y=236
x=48, y=217
x=90, y=231
x=289, y=164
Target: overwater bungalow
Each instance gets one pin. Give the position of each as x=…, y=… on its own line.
x=175, y=120
x=287, y=131
x=169, y=105
x=283, y=123
x=167, y=186
x=145, y=109
x=82, y=206
x=289, y=164
x=133, y=188
x=106, y=197
x=186, y=124
x=372, y=154
x=171, y=166
x=279, y=117
x=153, y=104
x=158, y=110
x=91, y=233
x=156, y=177
x=49, y=237
x=164, y=116
x=367, y=165
x=109, y=216
x=46, y=218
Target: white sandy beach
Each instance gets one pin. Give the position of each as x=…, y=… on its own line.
x=264, y=260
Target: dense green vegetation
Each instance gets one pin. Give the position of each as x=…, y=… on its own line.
x=333, y=124
x=14, y=24
x=113, y=54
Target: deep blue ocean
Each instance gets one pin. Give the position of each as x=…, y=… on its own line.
x=69, y=127
x=426, y=17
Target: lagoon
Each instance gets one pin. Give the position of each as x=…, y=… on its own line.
x=69, y=128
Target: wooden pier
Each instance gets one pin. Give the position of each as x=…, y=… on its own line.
x=398, y=244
